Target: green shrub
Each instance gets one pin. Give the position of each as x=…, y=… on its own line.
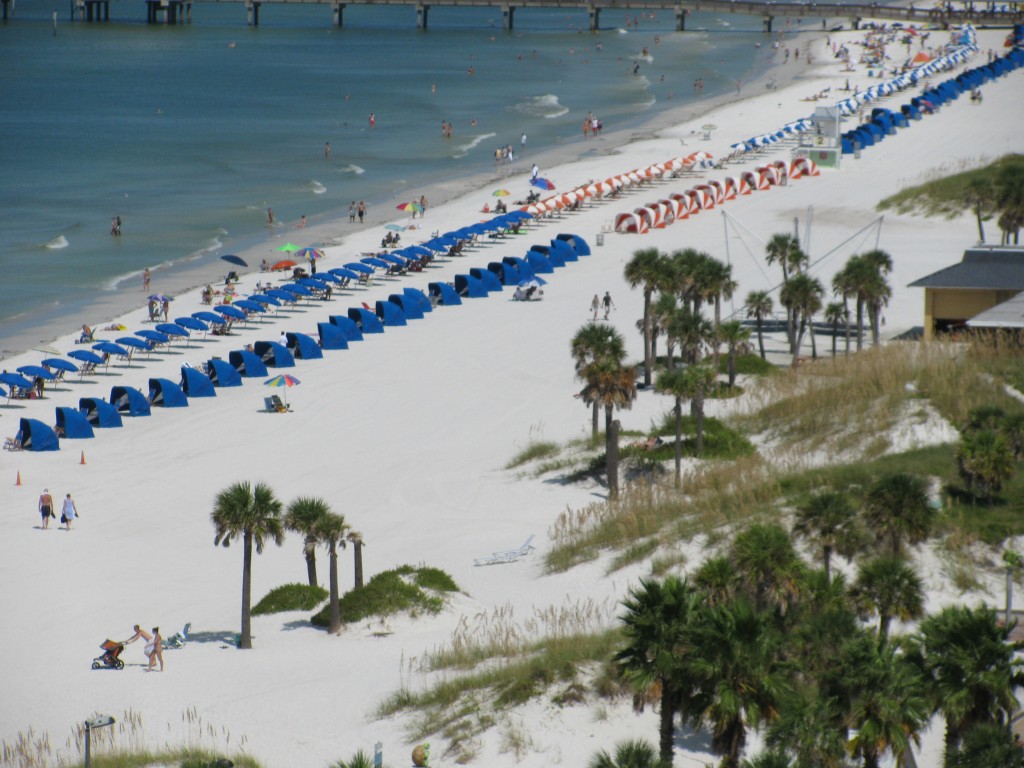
x=720, y=441
x=532, y=452
x=290, y=597
x=748, y=365
x=405, y=588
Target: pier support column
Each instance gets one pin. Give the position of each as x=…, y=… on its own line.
x=508, y=13
x=252, y=13
x=3, y=9
x=768, y=23
x=594, y=14
x=339, y=13
x=422, y=9
x=681, y=18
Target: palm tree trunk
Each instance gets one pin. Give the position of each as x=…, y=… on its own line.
x=718, y=323
x=884, y=620
x=666, y=726
x=876, y=315
x=679, y=441
x=860, y=323
x=648, y=338
x=981, y=226
x=594, y=425
x=952, y=740
x=654, y=344
x=760, y=334
x=245, y=638
x=827, y=557
x=835, y=333
x=846, y=314
x=798, y=344
x=670, y=351
x=698, y=404
x=335, y=622
x=814, y=339
x=310, y=551
x=357, y=557
x=732, y=367
x=611, y=452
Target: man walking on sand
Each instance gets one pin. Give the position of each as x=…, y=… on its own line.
x=609, y=305
x=46, y=507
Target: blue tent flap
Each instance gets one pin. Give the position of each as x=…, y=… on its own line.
x=99, y=412
x=37, y=436
x=420, y=297
x=445, y=294
x=348, y=326
x=563, y=250
x=73, y=424
x=304, y=347
x=540, y=263
x=577, y=243
x=410, y=307
x=129, y=400
x=247, y=363
x=331, y=336
x=195, y=383
x=469, y=286
x=166, y=393
x=274, y=355
x=222, y=374
x=506, y=273
x=390, y=313
x=367, y=321
x=489, y=279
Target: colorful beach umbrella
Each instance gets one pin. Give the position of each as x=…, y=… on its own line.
x=501, y=193
x=309, y=254
x=288, y=247
x=412, y=207
x=161, y=297
x=47, y=350
x=542, y=184
x=283, y=380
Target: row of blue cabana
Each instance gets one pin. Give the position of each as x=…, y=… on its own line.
x=334, y=334
x=884, y=122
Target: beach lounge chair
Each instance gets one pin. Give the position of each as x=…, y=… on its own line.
x=507, y=556
x=13, y=443
x=275, y=405
x=178, y=639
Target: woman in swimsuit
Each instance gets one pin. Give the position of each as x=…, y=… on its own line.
x=154, y=649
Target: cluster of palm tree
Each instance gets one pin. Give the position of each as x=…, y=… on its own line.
x=757, y=639
x=1001, y=194
x=991, y=444
x=254, y=515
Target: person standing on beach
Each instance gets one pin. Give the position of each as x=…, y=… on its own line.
x=46, y=507
x=270, y=215
x=423, y=206
x=140, y=633
x=69, y=512
x=155, y=650
x=327, y=151
x=352, y=211
x=166, y=308
x=595, y=305
x=609, y=305
x=373, y=120
x=522, y=144
x=361, y=211
x=534, y=172
x=145, y=279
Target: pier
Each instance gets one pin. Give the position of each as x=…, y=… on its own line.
x=982, y=14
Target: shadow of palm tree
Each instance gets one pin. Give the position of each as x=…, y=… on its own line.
x=224, y=636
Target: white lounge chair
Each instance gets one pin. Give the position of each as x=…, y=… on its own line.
x=507, y=556
x=178, y=639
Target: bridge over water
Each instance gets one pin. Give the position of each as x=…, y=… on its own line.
x=1001, y=14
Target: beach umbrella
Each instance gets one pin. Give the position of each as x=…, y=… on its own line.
x=207, y=317
x=86, y=356
x=309, y=254
x=411, y=207
x=535, y=280
x=192, y=323
x=358, y=267
x=232, y=259
x=36, y=370
x=154, y=336
x=250, y=306
x=161, y=297
x=228, y=311
x=172, y=329
x=288, y=247
x=500, y=193
x=265, y=300
x=110, y=348
x=15, y=380
x=60, y=365
x=283, y=264
x=542, y=183
x=344, y=273
x=375, y=262
x=296, y=289
x=285, y=381
x=281, y=295
x=134, y=343
x=47, y=350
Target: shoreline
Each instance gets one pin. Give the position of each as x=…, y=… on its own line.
x=331, y=230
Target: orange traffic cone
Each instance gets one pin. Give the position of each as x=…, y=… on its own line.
x=18, y=481
x=83, y=458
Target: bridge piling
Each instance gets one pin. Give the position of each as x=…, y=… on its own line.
x=768, y=23
x=252, y=13
x=338, y=10
x=422, y=9
x=594, y=14
x=508, y=13
x=681, y=18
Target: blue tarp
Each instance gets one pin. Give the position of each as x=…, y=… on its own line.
x=166, y=393
x=223, y=374
x=274, y=355
x=99, y=412
x=129, y=400
x=348, y=326
x=470, y=287
x=489, y=279
x=195, y=383
x=507, y=273
x=390, y=313
x=420, y=298
x=247, y=363
x=577, y=243
x=445, y=294
x=37, y=436
x=331, y=336
x=367, y=321
x=304, y=347
x=410, y=307
x=73, y=424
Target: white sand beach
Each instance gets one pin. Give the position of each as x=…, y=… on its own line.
x=406, y=434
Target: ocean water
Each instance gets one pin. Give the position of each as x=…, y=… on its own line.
x=189, y=133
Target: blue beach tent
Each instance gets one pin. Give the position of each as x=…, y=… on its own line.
x=526, y=270
x=556, y=258
x=248, y=364
x=274, y=355
x=304, y=347
x=540, y=263
x=367, y=321
x=99, y=412
x=195, y=383
x=129, y=400
x=166, y=393
x=445, y=294
x=348, y=327
x=331, y=336
x=489, y=280
x=72, y=424
x=410, y=307
x=390, y=313
x=563, y=250
x=470, y=287
x=37, y=436
x=506, y=273
x=420, y=298
x=577, y=243
x=222, y=373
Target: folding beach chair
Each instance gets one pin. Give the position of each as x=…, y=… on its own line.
x=275, y=405
x=178, y=639
x=506, y=556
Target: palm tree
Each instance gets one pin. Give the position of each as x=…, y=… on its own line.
x=759, y=305
x=843, y=286
x=647, y=268
x=856, y=279
x=808, y=727
x=979, y=195
x=836, y=312
x=889, y=588
x=594, y=342
x=985, y=461
x=972, y=669
x=356, y=538
x=768, y=760
x=767, y=566
x=628, y=754
x=302, y=517
x=254, y=515
x=830, y=521
x=801, y=295
x=737, y=340
x=691, y=331
x=878, y=290
x=785, y=250
x=696, y=383
x=331, y=529
x=715, y=579
x=612, y=385
x=989, y=746
x=654, y=628
x=665, y=308
x=675, y=383
x=896, y=506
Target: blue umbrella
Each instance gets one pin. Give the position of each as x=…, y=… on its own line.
x=308, y=282
x=36, y=370
x=542, y=184
x=252, y=306
x=538, y=281
x=192, y=323
x=281, y=295
x=111, y=348
x=394, y=259
x=342, y=272
x=155, y=336
x=209, y=317
x=15, y=380
x=296, y=290
x=325, y=277
x=60, y=365
x=357, y=267
x=232, y=259
x=131, y=341
x=86, y=356
x=229, y=311
x=375, y=262
x=172, y=329
x=264, y=299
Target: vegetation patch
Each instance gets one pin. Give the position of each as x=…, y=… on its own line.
x=404, y=589
x=290, y=597
x=951, y=195
x=535, y=451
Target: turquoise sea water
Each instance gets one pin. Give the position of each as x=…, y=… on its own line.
x=190, y=132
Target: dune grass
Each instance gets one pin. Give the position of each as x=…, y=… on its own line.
x=404, y=589
x=946, y=196
x=290, y=597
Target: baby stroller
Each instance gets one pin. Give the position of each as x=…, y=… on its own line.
x=109, y=659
